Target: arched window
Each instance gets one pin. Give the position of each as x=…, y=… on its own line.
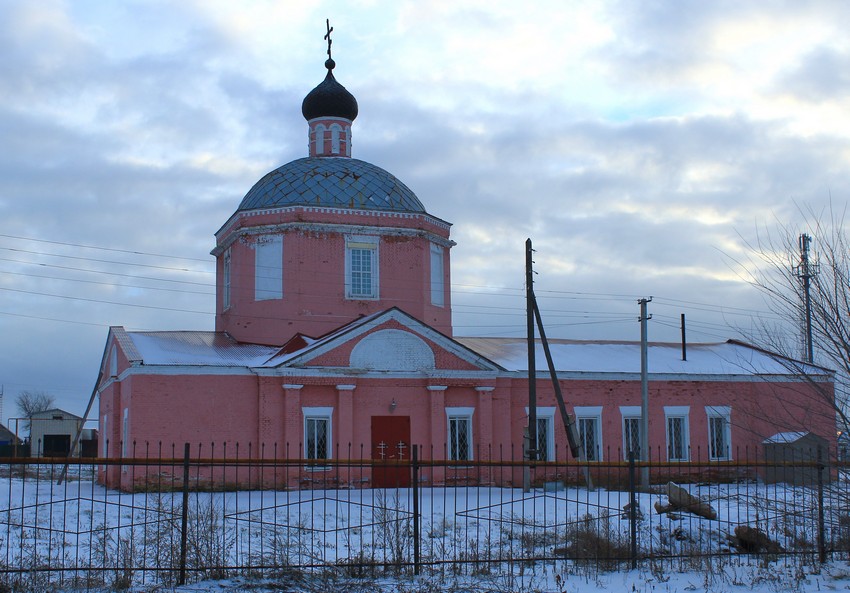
x=336, y=130
x=319, y=139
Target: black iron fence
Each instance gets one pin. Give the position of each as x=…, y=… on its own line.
x=186, y=517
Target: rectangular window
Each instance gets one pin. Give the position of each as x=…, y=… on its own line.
x=589, y=420
x=361, y=267
x=545, y=433
x=631, y=436
x=317, y=433
x=678, y=445
x=719, y=432
x=125, y=432
x=226, y=279
x=268, y=268
x=460, y=433
x=631, y=430
x=437, y=284
x=125, y=436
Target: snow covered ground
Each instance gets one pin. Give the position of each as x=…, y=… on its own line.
x=80, y=536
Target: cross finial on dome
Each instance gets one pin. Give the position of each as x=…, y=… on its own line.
x=329, y=64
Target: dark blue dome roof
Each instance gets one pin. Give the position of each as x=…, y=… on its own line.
x=329, y=99
x=334, y=182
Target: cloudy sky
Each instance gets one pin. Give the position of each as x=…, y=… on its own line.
x=639, y=144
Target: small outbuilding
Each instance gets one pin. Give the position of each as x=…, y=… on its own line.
x=52, y=432
x=788, y=455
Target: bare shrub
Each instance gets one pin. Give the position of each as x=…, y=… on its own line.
x=595, y=540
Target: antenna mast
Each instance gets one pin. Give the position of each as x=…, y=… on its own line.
x=805, y=271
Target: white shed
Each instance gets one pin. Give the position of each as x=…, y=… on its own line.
x=52, y=432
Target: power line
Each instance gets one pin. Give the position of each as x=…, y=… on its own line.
x=102, y=302
x=107, y=261
x=105, y=272
x=108, y=283
x=132, y=252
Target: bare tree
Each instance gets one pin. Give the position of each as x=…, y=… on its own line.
x=775, y=268
x=32, y=402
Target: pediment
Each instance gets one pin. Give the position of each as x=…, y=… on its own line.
x=390, y=341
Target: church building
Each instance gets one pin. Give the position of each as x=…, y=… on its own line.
x=333, y=339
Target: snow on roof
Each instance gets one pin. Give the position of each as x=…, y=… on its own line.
x=198, y=348
x=784, y=437
x=723, y=358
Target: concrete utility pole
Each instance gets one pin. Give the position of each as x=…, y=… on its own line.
x=531, y=450
x=644, y=392
x=805, y=272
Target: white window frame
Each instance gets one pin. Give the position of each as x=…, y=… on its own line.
x=459, y=415
x=268, y=268
x=725, y=414
x=362, y=243
x=592, y=414
x=319, y=138
x=438, y=285
x=314, y=414
x=336, y=132
x=682, y=413
x=630, y=413
x=113, y=362
x=546, y=414
x=105, y=436
x=125, y=436
x=226, y=278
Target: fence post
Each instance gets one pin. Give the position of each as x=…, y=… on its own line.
x=414, y=469
x=821, y=527
x=185, y=516
x=632, y=510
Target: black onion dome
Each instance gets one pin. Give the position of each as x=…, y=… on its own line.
x=329, y=99
x=333, y=183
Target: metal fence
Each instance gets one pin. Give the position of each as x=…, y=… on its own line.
x=197, y=519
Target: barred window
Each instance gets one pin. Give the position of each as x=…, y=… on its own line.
x=631, y=436
x=588, y=430
x=719, y=432
x=317, y=433
x=460, y=433
x=543, y=426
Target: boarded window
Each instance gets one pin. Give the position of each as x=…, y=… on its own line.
x=225, y=297
x=268, y=268
x=437, y=275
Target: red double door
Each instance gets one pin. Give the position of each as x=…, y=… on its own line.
x=390, y=441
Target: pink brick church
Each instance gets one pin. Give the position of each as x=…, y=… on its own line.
x=333, y=339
